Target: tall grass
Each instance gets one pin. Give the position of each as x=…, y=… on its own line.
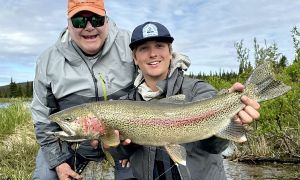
x=17, y=142
x=16, y=114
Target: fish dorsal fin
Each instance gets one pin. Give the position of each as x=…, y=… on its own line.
x=234, y=132
x=176, y=99
x=177, y=153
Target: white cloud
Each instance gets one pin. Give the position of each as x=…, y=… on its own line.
x=204, y=30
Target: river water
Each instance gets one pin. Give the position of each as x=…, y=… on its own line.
x=245, y=171
x=3, y=105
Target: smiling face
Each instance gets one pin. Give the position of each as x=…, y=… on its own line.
x=89, y=39
x=153, y=58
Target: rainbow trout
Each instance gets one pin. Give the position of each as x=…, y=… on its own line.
x=167, y=122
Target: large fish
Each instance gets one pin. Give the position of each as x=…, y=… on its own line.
x=170, y=121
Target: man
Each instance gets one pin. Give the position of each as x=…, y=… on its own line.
x=91, y=61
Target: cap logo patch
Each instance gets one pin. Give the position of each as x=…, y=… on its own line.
x=150, y=30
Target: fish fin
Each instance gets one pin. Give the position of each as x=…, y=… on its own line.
x=176, y=99
x=177, y=153
x=110, y=138
x=262, y=85
x=234, y=132
x=108, y=156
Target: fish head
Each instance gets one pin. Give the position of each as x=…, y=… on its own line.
x=79, y=122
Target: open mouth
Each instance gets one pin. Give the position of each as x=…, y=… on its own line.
x=90, y=37
x=154, y=63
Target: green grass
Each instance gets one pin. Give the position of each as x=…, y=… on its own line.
x=18, y=147
x=16, y=114
x=5, y=100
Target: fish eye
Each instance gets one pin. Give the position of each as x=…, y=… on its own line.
x=68, y=118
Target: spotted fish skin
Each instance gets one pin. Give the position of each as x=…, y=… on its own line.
x=164, y=123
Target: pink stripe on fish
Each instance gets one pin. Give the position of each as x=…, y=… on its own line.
x=177, y=122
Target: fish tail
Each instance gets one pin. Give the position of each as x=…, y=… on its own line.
x=262, y=85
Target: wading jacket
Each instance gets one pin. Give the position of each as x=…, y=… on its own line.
x=204, y=161
x=65, y=77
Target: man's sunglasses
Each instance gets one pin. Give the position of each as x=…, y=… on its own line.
x=81, y=21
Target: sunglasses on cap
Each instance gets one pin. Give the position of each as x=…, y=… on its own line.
x=81, y=21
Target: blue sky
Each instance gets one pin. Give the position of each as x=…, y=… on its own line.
x=205, y=30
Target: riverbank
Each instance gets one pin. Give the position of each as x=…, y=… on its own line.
x=249, y=171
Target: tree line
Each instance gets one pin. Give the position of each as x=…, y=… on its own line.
x=14, y=90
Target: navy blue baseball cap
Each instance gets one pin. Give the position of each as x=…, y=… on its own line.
x=149, y=31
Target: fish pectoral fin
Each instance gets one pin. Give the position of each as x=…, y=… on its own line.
x=177, y=153
x=234, y=132
x=110, y=138
x=108, y=157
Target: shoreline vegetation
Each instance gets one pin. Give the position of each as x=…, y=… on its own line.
x=18, y=146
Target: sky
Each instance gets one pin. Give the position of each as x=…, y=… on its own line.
x=205, y=30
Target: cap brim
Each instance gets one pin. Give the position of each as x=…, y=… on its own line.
x=98, y=11
x=134, y=44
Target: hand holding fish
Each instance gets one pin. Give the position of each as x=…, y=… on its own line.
x=244, y=116
x=249, y=113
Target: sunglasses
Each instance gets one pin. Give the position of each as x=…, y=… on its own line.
x=81, y=21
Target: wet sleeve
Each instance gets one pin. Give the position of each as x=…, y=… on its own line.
x=55, y=152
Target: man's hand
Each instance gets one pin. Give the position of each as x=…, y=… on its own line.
x=64, y=172
x=249, y=113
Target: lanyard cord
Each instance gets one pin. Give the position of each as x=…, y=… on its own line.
x=165, y=172
x=103, y=87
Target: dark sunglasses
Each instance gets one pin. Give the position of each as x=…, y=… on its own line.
x=81, y=21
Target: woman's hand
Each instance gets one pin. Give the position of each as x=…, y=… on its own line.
x=249, y=113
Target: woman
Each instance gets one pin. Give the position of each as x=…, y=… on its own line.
x=161, y=75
